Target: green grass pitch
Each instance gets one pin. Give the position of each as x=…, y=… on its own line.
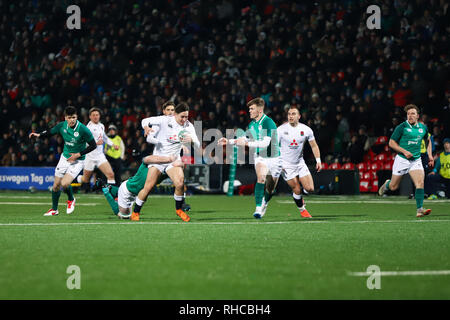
x=223, y=253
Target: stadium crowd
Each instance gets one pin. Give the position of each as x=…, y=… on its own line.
x=351, y=83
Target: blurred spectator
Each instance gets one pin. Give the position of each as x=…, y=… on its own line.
x=115, y=157
x=129, y=58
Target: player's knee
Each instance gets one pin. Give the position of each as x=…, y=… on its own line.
x=419, y=185
x=297, y=190
x=65, y=185
x=178, y=183
x=309, y=188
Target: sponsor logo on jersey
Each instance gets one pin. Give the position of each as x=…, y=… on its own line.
x=293, y=144
x=173, y=139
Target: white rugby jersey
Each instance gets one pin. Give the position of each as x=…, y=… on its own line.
x=169, y=134
x=98, y=131
x=292, y=140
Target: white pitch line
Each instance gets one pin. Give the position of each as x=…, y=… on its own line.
x=46, y=204
x=213, y=223
x=402, y=273
x=362, y=201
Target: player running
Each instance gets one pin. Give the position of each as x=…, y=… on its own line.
x=75, y=136
x=173, y=132
x=168, y=109
x=292, y=136
x=406, y=140
x=129, y=189
x=263, y=131
x=96, y=158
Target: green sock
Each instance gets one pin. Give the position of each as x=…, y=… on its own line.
x=259, y=193
x=69, y=192
x=267, y=196
x=55, y=199
x=420, y=194
x=112, y=203
x=114, y=191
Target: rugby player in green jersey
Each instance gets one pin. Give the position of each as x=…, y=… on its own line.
x=263, y=132
x=127, y=192
x=75, y=136
x=406, y=140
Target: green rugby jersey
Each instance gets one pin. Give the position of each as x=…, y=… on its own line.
x=265, y=127
x=74, y=139
x=410, y=137
x=137, y=182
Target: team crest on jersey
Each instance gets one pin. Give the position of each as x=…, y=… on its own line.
x=76, y=134
x=302, y=133
x=421, y=130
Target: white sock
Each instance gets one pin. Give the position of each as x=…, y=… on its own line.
x=139, y=202
x=177, y=198
x=258, y=209
x=111, y=181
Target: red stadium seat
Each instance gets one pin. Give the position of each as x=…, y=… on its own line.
x=381, y=157
x=381, y=140
x=387, y=165
x=386, y=148
x=335, y=166
x=373, y=174
x=324, y=166
x=375, y=166
x=361, y=166
x=367, y=176
x=361, y=175
x=374, y=186
x=364, y=186
x=348, y=166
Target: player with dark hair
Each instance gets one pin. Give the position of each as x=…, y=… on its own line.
x=173, y=132
x=406, y=140
x=75, y=136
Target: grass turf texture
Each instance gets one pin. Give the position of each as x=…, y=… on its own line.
x=223, y=253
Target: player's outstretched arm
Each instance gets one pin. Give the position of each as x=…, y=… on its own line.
x=152, y=159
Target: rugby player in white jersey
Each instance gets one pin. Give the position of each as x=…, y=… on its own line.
x=96, y=158
x=173, y=132
x=168, y=109
x=292, y=137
